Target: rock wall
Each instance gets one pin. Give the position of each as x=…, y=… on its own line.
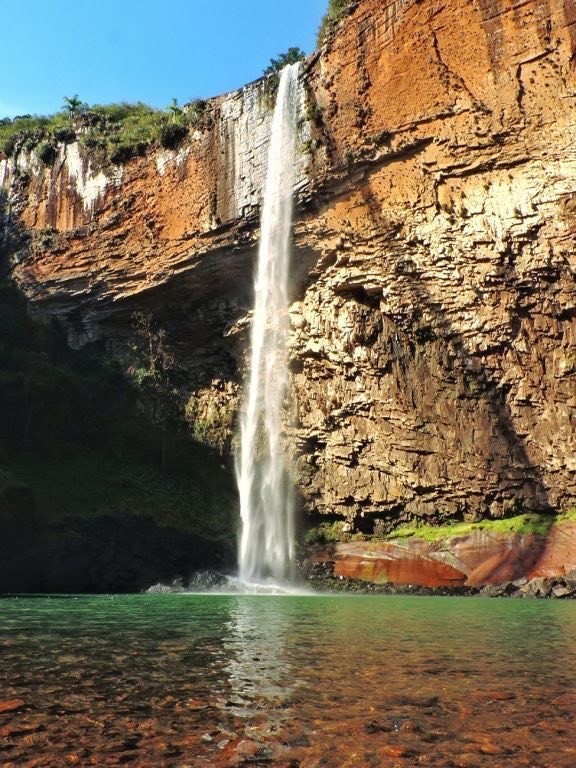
x=433, y=351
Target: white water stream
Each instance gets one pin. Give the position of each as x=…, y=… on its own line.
x=266, y=553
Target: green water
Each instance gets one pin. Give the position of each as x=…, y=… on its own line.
x=201, y=680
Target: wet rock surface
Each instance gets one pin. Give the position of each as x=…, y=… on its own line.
x=528, y=565
x=200, y=581
x=560, y=588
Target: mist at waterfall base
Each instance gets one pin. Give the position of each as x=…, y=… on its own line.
x=267, y=539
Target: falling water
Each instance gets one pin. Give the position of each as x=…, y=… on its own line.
x=266, y=497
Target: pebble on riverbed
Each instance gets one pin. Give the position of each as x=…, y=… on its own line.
x=11, y=705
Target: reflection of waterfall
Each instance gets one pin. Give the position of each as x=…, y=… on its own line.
x=266, y=499
x=259, y=675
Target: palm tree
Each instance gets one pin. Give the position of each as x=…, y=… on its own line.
x=72, y=104
x=175, y=109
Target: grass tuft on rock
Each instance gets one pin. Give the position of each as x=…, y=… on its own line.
x=336, y=10
x=529, y=523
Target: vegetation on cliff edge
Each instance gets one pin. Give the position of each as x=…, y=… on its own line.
x=117, y=132
x=528, y=523
x=272, y=73
x=336, y=10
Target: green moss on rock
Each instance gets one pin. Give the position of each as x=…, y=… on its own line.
x=521, y=524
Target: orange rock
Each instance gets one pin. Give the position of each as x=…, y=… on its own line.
x=489, y=748
x=11, y=705
x=236, y=752
x=515, y=560
x=392, y=750
x=476, y=559
x=491, y=695
x=558, y=557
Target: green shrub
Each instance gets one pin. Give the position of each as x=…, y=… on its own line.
x=171, y=134
x=119, y=131
x=272, y=73
x=211, y=419
x=43, y=238
x=121, y=153
x=325, y=532
x=74, y=105
x=195, y=111
x=291, y=56
x=66, y=135
x=7, y=147
x=314, y=113
x=47, y=153
x=25, y=131
x=336, y=10
x=129, y=129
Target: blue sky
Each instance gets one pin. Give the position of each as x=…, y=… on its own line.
x=142, y=50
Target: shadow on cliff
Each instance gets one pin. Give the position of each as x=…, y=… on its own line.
x=495, y=437
x=515, y=483
x=442, y=380
x=85, y=502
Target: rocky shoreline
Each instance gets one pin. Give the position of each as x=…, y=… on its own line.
x=559, y=587
x=320, y=578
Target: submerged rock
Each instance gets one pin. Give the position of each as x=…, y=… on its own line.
x=11, y=705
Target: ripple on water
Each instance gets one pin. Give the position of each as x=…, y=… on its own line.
x=205, y=680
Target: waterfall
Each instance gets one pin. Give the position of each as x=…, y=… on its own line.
x=266, y=496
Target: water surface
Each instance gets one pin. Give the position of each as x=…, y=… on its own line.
x=233, y=680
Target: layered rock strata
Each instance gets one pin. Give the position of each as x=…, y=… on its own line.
x=436, y=345
x=433, y=350
x=474, y=559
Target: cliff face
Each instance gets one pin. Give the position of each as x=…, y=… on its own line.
x=433, y=349
x=437, y=342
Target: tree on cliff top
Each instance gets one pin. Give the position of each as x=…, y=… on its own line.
x=73, y=105
x=291, y=56
x=272, y=72
x=175, y=110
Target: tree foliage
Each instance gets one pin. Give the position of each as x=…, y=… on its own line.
x=291, y=56
x=73, y=105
